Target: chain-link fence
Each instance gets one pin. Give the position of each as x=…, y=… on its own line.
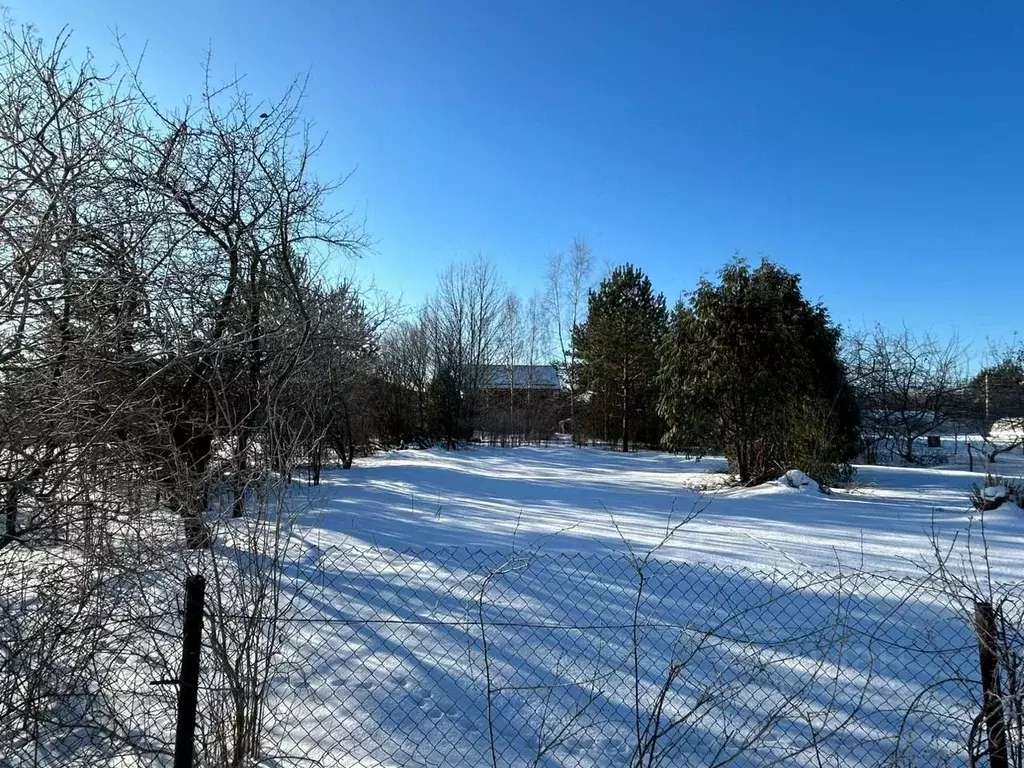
x=368, y=657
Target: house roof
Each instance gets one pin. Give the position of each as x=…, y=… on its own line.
x=520, y=377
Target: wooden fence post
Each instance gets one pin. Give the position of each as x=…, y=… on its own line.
x=992, y=701
x=188, y=679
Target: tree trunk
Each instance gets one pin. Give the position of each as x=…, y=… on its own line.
x=511, y=411
x=193, y=454
x=572, y=414
x=10, y=514
x=528, y=427
x=87, y=524
x=743, y=462
x=348, y=443
x=625, y=418
x=317, y=461
x=607, y=425
x=239, y=480
x=197, y=532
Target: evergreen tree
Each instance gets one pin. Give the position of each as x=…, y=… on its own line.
x=752, y=368
x=616, y=351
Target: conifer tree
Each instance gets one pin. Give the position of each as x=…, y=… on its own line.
x=751, y=368
x=617, y=354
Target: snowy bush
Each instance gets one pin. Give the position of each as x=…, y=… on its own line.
x=994, y=491
x=794, y=478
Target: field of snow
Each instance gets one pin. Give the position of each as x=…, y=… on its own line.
x=478, y=607
x=590, y=500
x=494, y=607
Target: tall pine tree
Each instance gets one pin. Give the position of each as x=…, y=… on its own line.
x=617, y=351
x=751, y=368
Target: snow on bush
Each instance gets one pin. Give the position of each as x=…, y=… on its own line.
x=994, y=491
x=794, y=478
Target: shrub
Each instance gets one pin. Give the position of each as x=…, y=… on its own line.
x=994, y=491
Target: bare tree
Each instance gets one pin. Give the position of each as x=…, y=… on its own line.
x=907, y=387
x=160, y=306
x=511, y=355
x=568, y=282
x=73, y=248
x=404, y=366
x=338, y=386
x=535, y=351
x=231, y=177
x=463, y=322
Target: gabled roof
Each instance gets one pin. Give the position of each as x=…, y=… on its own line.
x=522, y=377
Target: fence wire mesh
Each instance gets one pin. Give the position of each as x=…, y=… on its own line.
x=370, y=657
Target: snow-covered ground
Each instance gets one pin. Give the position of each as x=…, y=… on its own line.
x=422, y=602
x=588, y=500
x=479, y=607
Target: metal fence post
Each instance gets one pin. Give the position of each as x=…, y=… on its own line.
x=992, y=701
x=188, y=679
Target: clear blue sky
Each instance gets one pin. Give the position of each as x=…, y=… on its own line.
x=875, y=147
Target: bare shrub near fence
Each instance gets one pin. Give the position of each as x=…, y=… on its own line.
x=248, y=621
x=47, y=648
x=73, y=639
x=90, y=648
